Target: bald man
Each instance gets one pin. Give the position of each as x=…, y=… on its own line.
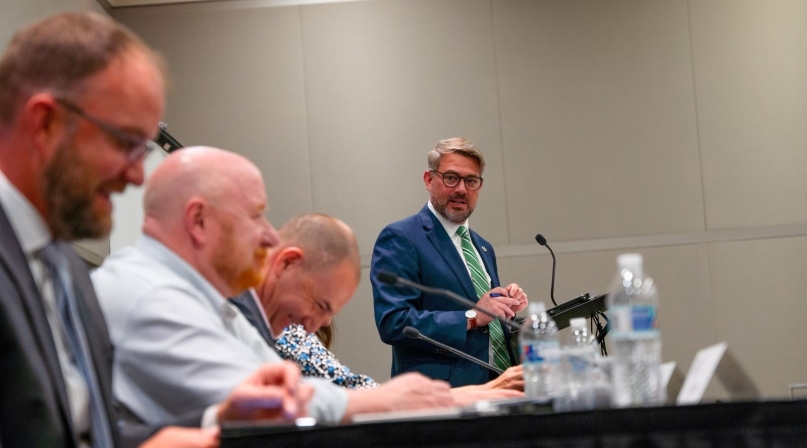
x=180, y=344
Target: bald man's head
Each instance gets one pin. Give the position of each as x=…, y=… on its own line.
x=207, y=205
x=209, y=173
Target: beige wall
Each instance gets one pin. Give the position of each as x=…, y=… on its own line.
x=671, y=127
x=16, y=13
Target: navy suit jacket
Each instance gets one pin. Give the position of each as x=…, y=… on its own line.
x=419, y=249
x=246, y=304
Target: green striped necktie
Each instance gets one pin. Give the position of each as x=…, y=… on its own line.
x=481, y=285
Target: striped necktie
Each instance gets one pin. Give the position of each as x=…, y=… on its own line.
x=500, y=357
x=68, y=312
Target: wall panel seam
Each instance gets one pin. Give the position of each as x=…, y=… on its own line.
x=647, y=241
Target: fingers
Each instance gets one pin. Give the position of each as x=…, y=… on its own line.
x=415, y=391
x=273, y=391
x=504, y=309
x=517, y=294
x=175, y=437
x=505, y=296
x=515, y=370
x=495, y=297
x=249, y=402
x=285, y=374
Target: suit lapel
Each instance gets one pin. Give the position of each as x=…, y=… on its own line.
x=442, y=242
x=246, y=304
x=13, y=258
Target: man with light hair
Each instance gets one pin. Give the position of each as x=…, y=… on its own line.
x=437, y=248
x=309, y=277
x=79, y=97
x=180, y=344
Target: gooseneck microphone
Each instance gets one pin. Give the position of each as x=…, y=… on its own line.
x=414, y=334
x=542, y=241
x=394, y=280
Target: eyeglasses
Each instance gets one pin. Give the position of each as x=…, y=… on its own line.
x=451, y=180
x=134, y=147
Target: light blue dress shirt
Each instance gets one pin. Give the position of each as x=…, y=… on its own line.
x=180, y=346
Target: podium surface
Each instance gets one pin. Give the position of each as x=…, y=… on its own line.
x=724, y=425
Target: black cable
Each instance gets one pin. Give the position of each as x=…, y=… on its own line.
x=601, y=331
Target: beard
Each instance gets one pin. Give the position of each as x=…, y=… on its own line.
x=238, y=273
x=455, y=216
x=69, y=197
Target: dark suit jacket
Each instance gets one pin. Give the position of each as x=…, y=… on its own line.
x=246, y=304
x=419, y=249
x=34, y=410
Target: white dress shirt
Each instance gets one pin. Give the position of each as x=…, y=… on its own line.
x=180, y=346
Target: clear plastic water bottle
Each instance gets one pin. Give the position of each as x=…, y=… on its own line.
x=636, y=341
x=540, y=348
x=579, y=335
x=576, y=393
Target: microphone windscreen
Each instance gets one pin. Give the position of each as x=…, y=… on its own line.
x=387, y=277
x=411, y=333
x=540, y=239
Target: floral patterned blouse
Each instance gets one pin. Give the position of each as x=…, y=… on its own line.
x=315, y=360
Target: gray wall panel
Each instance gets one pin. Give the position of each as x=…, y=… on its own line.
x=750, y=61
x=598, y=118
x=758, y=289
x=238, y=85
x=385, y=80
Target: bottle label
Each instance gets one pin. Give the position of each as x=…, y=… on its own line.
x=629, y=318
x=644, y=317
x=539, y=351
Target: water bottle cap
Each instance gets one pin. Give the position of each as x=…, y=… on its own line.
x=578, y=322
x=629, y=261
x=536, y=308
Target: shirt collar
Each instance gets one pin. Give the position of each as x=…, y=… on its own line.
x=451, y=228
x=31, y=230
x=165, y=256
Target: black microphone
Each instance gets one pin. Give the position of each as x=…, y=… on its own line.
x=542, y=241
x=394, y=280
x=414, y=334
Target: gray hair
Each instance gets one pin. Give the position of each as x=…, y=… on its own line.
x=326, y=241
x=457, y=145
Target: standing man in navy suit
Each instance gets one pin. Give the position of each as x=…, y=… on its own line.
x=436, y=248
